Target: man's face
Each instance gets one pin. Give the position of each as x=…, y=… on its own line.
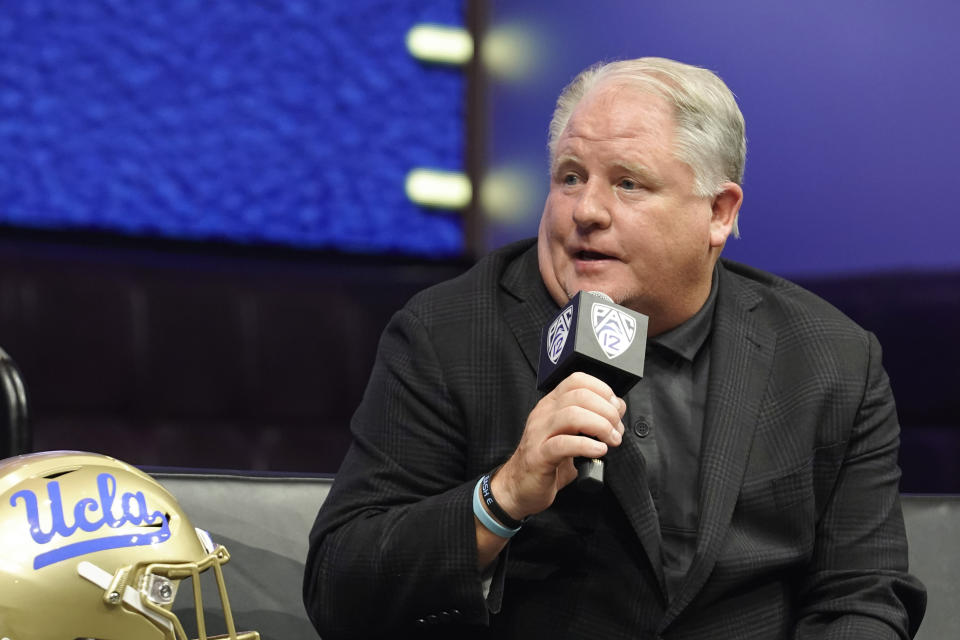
x=621, y=216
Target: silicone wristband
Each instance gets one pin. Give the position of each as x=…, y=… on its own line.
x=486, y=519
x=492, y=504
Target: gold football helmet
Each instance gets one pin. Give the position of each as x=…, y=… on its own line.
x=91, y=547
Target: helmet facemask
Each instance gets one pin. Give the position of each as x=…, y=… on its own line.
x=157, y=587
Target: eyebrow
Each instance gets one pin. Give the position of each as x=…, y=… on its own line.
x=563, y=160
x=642, y=171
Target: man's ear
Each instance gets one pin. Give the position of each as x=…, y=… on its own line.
x=725, y=206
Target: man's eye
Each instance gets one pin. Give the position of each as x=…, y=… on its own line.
x=571, y=179
x=629, y=184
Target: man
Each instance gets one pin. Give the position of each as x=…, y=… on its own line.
x=751, y=486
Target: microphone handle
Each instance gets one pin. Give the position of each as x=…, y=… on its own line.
x=589, y=473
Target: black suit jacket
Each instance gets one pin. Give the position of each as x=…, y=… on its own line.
x=801, y=533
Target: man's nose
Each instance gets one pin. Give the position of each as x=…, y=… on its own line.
x=593, y=206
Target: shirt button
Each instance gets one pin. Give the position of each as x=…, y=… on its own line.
x=641, y=428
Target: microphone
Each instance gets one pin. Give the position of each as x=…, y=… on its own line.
x=594, y=335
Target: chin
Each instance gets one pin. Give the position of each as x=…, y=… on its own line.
x=618, y=296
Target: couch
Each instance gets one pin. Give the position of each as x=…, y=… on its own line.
x=264, y=520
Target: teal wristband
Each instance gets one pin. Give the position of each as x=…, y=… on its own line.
x=486, y=519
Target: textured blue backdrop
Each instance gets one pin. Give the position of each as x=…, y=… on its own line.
x=284, y=122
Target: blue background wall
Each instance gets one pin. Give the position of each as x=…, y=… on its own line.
x=850, y=107
x=287, y=122
x=294, y=123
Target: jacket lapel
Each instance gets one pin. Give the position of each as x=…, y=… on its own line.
x=741, y=356
x=528, y=307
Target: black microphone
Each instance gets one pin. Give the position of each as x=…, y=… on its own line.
x=594, y=335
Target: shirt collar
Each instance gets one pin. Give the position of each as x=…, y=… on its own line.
x=686, y=339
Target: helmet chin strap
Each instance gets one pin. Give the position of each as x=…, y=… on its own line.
x=104, y=580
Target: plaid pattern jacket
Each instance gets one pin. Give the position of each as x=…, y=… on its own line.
x=801, y=533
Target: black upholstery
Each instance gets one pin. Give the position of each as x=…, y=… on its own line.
x=264, y=522
x=15, y=435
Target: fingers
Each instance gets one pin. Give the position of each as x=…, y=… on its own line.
x=582, y=411
x=578, y=379
x=562, y=447
x=586, y=405
x=581, y=417
x=582, y=382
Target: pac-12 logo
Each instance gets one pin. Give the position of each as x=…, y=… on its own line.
x=91, y=514
x=613, y=328
x=557, y=334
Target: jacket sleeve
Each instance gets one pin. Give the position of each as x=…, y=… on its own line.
x=394, y=543
x=857, y=585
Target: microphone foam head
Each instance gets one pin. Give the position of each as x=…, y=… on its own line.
x=602, y=295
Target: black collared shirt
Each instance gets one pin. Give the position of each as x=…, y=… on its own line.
x=665, y=414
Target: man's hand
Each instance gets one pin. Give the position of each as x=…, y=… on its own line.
x=581, y=417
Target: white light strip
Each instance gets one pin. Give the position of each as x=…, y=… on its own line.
x=438, y=43
x=442, y=189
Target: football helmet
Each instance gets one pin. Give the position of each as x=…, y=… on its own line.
x=91, y=547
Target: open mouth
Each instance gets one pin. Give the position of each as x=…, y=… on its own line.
x=591, y=255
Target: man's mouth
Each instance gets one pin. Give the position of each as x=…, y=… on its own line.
x=591, y=255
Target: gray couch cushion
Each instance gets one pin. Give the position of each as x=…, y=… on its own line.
x=264, y=522
x=933, y=530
